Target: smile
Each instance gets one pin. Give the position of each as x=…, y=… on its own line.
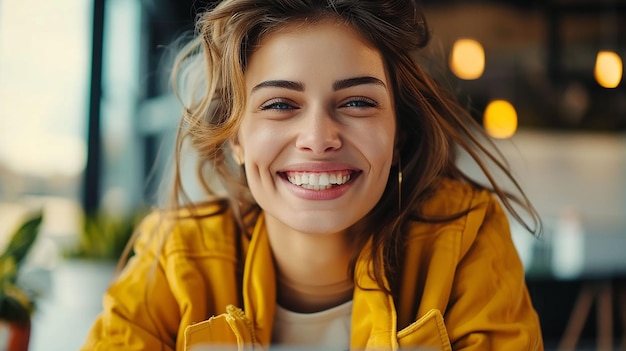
x=318, y=180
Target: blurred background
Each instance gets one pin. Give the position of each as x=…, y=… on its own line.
x=87, y=122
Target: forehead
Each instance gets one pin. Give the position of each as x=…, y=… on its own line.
x=326, y=46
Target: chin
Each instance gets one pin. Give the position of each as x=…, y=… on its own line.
x=318, y=226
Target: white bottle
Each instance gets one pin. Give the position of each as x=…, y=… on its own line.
x=568, y=245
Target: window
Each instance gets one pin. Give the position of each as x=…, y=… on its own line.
x=44, y=77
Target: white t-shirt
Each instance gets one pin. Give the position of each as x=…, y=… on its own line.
x=325, y=330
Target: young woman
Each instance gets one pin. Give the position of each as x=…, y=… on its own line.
x=339, y=219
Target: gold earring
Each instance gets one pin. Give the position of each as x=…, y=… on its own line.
x=399, y=184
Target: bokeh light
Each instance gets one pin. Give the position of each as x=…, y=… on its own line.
x=608, y=69
x=467, y=59
x=500, y=119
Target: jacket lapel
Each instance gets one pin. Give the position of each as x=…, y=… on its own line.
x=259, y=284
x=373, y=311
x=374, y=317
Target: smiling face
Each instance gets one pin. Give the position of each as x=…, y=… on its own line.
x=317, y=137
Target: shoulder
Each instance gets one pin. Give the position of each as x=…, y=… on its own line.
x=461, y=210
x=451, y=197
x=203, y=229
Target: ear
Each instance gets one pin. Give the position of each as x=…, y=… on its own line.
x=237, y=150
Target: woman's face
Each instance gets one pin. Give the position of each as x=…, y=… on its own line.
x=317, y=137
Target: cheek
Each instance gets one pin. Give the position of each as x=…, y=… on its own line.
x=378, y=145
x=261, y=144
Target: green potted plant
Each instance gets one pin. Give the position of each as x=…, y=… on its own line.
x=16, y=301
x=104, y=236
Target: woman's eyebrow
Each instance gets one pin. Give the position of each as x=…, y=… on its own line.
x=286, y=84
x=350, y=82
x=338, y=85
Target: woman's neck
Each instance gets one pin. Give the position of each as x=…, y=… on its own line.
x=312, y=269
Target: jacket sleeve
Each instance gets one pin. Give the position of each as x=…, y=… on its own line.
x=489, y=307
x=139, y=310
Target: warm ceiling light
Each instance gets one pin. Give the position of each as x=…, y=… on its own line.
x=500, y=119
x=608, y=70
x=467, y=59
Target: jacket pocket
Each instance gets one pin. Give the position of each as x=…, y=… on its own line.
x=213, y=331
x=428, y=332
x=229, y=331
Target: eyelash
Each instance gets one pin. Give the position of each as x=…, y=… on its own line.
x=366, y=103
x=275, y=103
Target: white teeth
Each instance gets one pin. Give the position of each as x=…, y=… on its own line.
x=318, y=181
x=316, y=187
x=323, y=181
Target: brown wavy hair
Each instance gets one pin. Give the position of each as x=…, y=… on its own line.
x=432, y=126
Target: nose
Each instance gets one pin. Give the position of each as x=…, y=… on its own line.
x=319, y=133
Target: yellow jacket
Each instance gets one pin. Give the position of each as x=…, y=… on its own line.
x=462, y=288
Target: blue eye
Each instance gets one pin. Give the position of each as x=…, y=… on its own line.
x=360, y=103
x=276, y=105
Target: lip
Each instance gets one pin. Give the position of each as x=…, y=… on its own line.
x=319, y=195
x=314, y=167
